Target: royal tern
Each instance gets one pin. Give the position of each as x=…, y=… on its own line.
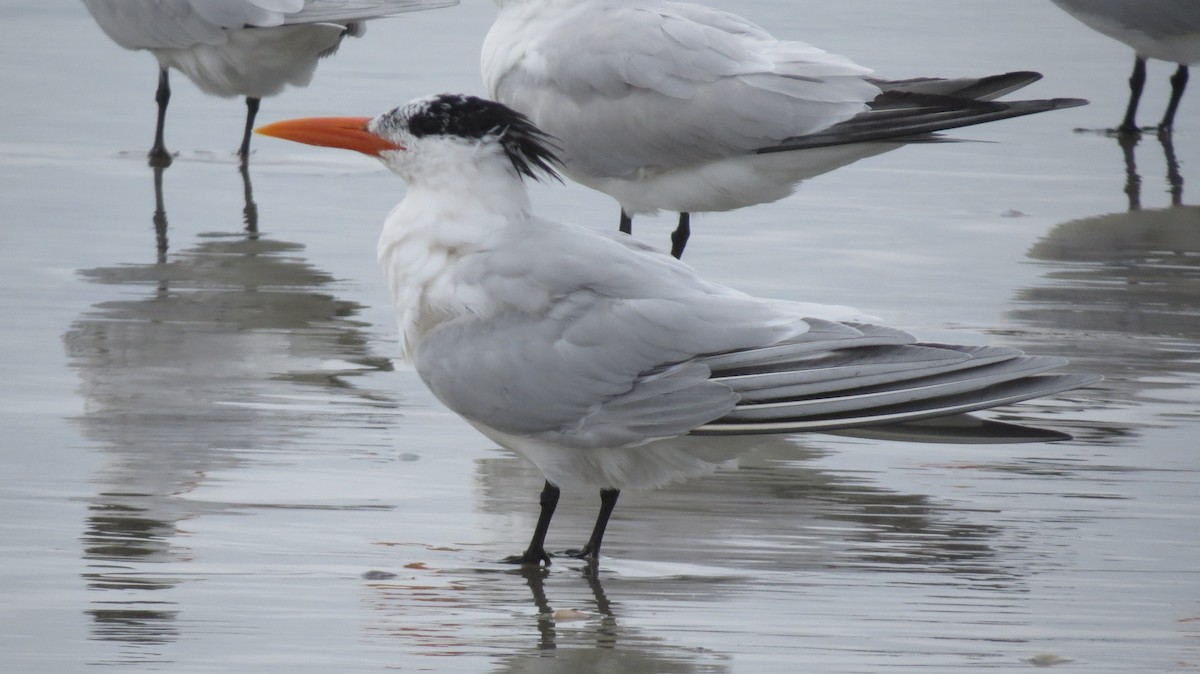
x=606, y=363
x=679, y=107
x=251, y=48
x=1167, y=30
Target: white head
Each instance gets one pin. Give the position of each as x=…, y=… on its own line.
x=428, y=136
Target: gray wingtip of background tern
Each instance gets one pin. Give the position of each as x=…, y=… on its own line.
x=907, y=116
x=987, y=88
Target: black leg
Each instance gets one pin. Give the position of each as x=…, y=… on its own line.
x=679, y=237
x=536, y=552
x=1178, y=84
x=626, y=225
x=1136, y=81
x=158, y=152
x=591, y=551
x=251, y=113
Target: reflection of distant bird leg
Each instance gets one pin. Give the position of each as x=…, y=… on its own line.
x=158, y=153
x=250, y=209
x=603, y=606
x=1178, y=84
x=1136, y=81
x=1133, y=182
x=251, y=113
x=1174, y=177
x=160, y=213
x=535, y=577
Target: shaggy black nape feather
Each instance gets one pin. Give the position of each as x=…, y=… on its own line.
x=528, y=148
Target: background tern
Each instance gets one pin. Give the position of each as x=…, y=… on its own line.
x=606, y=363
x=1167, y=30
x=679, y=107
x=251, y=48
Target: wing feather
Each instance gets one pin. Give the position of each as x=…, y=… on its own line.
x=674, y=85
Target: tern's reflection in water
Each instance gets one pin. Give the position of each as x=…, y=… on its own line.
x=1130, y=283
x=200, y=365
x=530, y=620
x=716, y=540
x=777, y=513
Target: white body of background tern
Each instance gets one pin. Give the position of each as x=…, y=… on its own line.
x=609, y=364
x=251, y=48
x=679, y=107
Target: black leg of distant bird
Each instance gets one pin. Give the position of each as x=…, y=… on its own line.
x=251, y=113
x=679, y=237
x=626, y=225
x=1136, y=81
x=591, y=551
x=1178, y=84
x=536, y=552
x=158, y=153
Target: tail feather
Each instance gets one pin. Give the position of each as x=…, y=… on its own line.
x=845, y=375
x=897, y=115
x=340, y=11
x=822, y=337
x=858, y=370
x=1004, y=393
x=986, y=88
x=901, y=392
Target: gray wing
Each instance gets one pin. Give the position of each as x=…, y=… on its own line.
x=1153, y=18
x=661, y=85
x=900, y=114
x=316, y=11
x=596, y=343
x=180, y=24
x=160, y=24
x=608, y=343
x=598, y=373
x=856, y=386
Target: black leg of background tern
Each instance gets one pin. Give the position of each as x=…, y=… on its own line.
x=591, y=551
x=1178, y=84
x=536, y=552
x=626, y=225
x=158, y=152
x=679, y=237
x=1136, y=81
x=251, y=113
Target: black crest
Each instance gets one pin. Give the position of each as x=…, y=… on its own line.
x=529, y=148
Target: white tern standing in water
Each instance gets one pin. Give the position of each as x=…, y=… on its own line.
x=680, y=107
x=606, y=363
x=1167, y=30
x=251, y=48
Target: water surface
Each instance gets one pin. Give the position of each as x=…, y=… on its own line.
x=214, y=463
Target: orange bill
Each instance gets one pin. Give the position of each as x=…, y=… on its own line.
x=349, y=133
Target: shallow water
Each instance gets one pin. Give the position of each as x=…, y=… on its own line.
x=213, y=462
